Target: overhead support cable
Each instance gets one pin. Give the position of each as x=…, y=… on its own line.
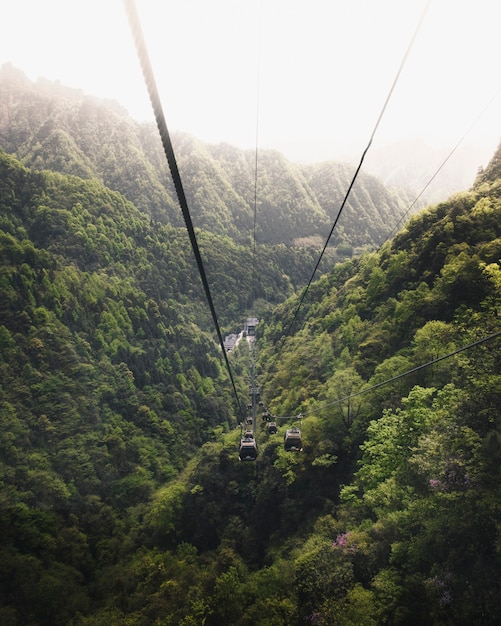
x=171, y=159
x=254, y=225
x=393, y=378
x=256, y=162
x=435, y=174
x=359, y=167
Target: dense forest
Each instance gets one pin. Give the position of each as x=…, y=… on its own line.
x=47, y=126
x=123, y=500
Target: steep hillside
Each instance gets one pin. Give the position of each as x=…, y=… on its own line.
x=439, y=265
x=111, y=377
x=390, y=515
x=368, y=215
x=123, y=499
x=50, y=127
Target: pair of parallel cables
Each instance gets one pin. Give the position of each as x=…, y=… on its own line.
x=176, y=177
x=149, y=78
x=151, y=85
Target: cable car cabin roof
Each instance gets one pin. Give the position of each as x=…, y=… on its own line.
x=292, y=440
x=248, y=449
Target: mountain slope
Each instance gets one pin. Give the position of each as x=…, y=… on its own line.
x=50, y=127
x=123, y=499
x=390, y=514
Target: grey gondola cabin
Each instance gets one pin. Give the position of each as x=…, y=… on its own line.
x=248, y=448
x=272, y=428
x=250, y=326
x=292, y=440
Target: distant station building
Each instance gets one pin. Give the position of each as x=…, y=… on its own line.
x=250, y=326
x=230, y=342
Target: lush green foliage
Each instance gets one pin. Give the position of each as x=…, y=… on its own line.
x=111, y=377
x=50, y=127
x=414, y=538
x=391, y=513
x=122, y=499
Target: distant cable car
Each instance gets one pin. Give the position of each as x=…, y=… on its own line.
x=265, y=415
x=272, y=428
x=248, y=448
x=292, y=440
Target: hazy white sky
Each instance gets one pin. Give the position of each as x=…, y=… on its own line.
x=320, y=70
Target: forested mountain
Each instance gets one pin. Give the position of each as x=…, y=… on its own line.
x=48, y=126
x=390, y=515
x=111, y=377
x=123, y=500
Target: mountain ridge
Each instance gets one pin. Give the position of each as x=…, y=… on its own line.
x=76, y=134
x=123, y=500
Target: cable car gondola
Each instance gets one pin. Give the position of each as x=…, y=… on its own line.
x=292, y=440
x=248, y=448
x=272, y=428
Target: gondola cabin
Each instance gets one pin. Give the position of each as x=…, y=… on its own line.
x=248, y=449
x=250, y=326
x=271, y=428
x=292, y=440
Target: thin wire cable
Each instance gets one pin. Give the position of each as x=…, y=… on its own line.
x=254, y=245
x=392, y=379
x=256, y=160
x=149, y=78
x=472, y=125
x=359, y=167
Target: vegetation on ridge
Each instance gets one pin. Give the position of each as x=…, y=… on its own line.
x=122, y=498
x=50, y=127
